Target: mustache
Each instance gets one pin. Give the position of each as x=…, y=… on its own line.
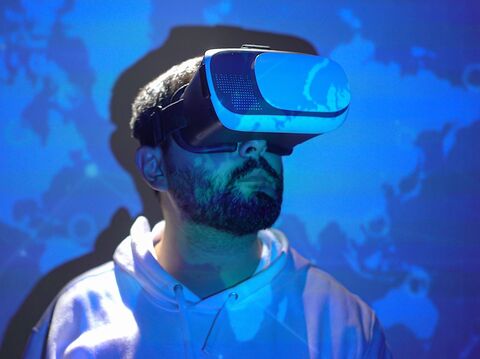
x=251, y=165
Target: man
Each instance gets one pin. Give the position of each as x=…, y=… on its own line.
x=211, y=280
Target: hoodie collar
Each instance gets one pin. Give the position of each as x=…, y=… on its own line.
x=136, y=256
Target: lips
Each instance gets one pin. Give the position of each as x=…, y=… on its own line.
x=256, y=177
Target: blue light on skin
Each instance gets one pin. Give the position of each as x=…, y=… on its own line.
x=205, y=259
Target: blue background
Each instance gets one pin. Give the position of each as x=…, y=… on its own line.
x=389, y=203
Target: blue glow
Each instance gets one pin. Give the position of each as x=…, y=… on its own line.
x=313, y=84
x=319, y=85
x=413, y=68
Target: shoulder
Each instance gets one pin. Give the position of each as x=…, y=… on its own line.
x=332, y=308
x=324, y=291
x=95, y=281
x=324, y=295
x=66, y=313
x=84, y=295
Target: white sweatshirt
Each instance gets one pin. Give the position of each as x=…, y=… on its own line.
x=132, y=308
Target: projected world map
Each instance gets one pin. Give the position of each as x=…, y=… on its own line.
x=388, y=204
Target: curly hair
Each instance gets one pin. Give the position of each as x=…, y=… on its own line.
x=159, y=92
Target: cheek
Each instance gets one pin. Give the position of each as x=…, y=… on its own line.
x=219, y=165
x=204, y=162
x=275, y=161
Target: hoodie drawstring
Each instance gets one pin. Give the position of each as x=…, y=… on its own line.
x=231, y=297
x=187, y=337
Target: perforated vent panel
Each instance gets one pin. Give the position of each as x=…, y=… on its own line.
x=237, y=91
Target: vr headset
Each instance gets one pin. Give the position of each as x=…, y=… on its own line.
x=251, y=93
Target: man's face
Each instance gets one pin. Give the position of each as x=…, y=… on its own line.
x=238, y=192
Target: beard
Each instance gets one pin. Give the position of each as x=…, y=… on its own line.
x=203, y=200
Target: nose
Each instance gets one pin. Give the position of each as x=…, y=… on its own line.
x=252, y=148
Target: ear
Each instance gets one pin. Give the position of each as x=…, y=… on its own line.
x=150, y=163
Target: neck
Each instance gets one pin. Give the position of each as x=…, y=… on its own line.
x=206, y=260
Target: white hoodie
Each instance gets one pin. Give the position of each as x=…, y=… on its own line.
x=132, y=308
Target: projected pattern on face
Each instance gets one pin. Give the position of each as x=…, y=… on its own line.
x=229, y=201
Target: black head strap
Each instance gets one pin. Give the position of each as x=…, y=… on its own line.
x=166, y=120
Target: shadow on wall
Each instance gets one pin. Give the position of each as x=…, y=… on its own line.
x=182, y=43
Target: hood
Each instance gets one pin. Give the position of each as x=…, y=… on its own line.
x=136, y=256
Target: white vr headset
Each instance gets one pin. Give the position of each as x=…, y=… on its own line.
x=251, y=93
